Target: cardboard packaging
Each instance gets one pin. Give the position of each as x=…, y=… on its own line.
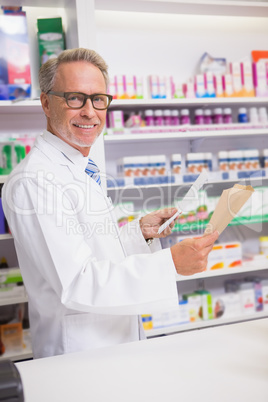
x=50, y=38
x=15, y=76
x=230, y=203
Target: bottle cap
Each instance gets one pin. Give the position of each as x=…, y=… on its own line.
x=158, y=112
x=148, y=112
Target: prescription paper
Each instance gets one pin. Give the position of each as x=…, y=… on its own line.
x=230, y=203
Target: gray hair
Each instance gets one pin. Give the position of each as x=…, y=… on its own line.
x=48, y=70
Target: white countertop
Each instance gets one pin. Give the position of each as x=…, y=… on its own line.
x=221, y=364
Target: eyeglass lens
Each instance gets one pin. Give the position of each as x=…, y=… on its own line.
x=76, y=100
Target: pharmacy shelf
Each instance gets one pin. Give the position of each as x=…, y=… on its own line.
x=186, y=134
x=145, y=103
x=6, y=236
x=245, y=268
x=197, y=7
x=34, y=105
x=241, y=220
x=3, y=177
x=24, y=354
x=21, y=106
x=175, y=181
x=13, y=300
x=203, y=324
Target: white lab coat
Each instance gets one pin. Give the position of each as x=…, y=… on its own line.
x=86, y=286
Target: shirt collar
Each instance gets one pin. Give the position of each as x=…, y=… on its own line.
x=69, y=152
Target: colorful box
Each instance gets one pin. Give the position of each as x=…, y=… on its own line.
x=50, y=38
x=15, y=74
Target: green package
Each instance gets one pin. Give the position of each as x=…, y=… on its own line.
x=50, y=38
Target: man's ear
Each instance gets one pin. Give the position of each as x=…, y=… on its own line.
x=45, y=103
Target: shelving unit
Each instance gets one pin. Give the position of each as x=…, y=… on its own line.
x=202, y=324
x=87, y=22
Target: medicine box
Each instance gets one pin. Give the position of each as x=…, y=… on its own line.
x=50, y=38
x=15, y=75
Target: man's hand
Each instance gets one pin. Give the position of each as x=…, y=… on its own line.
x=150, y=223
x=190, y=255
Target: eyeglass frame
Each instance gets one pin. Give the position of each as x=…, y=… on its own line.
x=86, y=97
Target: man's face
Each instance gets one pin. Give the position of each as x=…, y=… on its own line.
x=78, y=127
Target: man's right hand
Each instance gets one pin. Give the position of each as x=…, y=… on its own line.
x=190, y=256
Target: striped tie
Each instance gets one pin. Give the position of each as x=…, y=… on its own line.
x=93, y=171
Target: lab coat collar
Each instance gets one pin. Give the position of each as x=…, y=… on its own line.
x=64, y=154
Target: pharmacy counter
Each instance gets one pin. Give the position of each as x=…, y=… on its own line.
x=228, y=363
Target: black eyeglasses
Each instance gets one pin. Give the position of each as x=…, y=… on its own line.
x=76, y=100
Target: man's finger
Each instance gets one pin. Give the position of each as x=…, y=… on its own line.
x=208, y=240
x=167, y=212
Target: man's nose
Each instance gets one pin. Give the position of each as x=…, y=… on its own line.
x=88, y=108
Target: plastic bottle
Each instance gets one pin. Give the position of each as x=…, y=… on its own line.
x=176, y=163
x=227, y=115
x=253, y=115
x=265, y=158
x=208, y=161
x=207, y=116
x=263, y=240
x=251, y=159
x=247, y=298
x=263, y=118
x=199, y=116
x=236, y=160
x=242, y=115
x=223, y=160
x=158, y=118
x=149, y=117
x=264, y=284
x=167, y=117
x=257, y=285
x=175, y=120
x=218, y=116
x=185, y=117
x=195, y=162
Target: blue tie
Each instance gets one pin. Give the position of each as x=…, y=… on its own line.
x=93, y=171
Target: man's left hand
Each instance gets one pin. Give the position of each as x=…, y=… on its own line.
x=150, y=223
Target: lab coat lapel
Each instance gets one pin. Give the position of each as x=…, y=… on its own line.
x=60, y=159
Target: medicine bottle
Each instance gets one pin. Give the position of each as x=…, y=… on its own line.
x=207, y=116
x=263, y=118
x=247, y=297
x=223, y=160
x=251, y=159
x=149, y=117
x=185, y=117
x=176, y=163
x=167, y=117
x=253, y=115
x=218, y=116
x=158, y=118
x=227, y=115
x=264, y=245
x=264, y=284
x=236, y=160
x=208, y=161
x=265, y=158
x=175, y=120
x=195, y=162
x=242, y=115
x=199, y=116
